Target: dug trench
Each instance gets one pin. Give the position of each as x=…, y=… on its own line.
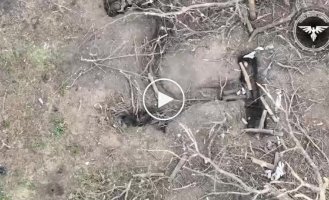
x=228, y=90
x=251, y=96
x=217, y=91
x=244, y=88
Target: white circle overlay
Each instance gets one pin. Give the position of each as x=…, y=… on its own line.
x=304, y=15
x=179, y=111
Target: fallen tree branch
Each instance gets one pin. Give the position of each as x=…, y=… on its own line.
x=264, y=131
x=262, y=120
x=269, y=110
x=234, y=97
x=184, y=9
x=252, y=9
x=178, y=167
x=147, y=175
x=323, y=183
x=245, y=75
x=221, y=171
x=290, y=67
x=272, y=25
x=262, y=163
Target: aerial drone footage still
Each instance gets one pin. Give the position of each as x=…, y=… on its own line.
x=164, y=100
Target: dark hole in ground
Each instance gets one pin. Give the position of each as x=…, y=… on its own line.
x=141, y=119
x=112, y=7
x=253, y=105
x=3, y=170
x=54, y=189
x=117, y=7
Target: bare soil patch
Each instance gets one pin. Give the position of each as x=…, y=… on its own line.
x=69, y=72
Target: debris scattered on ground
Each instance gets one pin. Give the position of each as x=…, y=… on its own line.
x=276, y=174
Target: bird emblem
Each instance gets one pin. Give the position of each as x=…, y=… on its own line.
x=314, y=31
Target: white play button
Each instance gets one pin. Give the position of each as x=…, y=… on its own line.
x=161, y=106
x=163, y=99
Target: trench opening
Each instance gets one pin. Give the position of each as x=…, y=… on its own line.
x=253, y=105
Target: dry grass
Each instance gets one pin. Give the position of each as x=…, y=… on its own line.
x=119, y=184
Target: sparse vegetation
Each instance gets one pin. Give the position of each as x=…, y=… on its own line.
x=3, y=195
x=40, y=57
x=38, y=145
x=5, y=124
x=6, y=60
x=74, y=149
x=116, y=184
x=59, y=127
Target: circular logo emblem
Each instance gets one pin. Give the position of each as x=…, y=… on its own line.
x=311, y=30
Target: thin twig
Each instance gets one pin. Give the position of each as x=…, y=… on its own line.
x=155, y=88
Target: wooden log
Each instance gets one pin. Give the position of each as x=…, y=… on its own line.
x=262, y=120
x=262, y=163
x=146, y=175
x=269, y=110
x=178, y=167
x=252, y=9
x=263, y=131
x=234, y=97
x=276, y=158
x=245, y=75
x=229, y=92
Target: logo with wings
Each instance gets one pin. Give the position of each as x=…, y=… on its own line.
x=314, y=31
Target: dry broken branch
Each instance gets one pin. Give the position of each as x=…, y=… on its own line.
x=178, y=167
x=262, y=163
x=269, y=110
x=155, y=88
x=183, y=10
x=272, y=25
x=225, y=173
x=252, y=9
x=245, y=75
x=264, y=131
x=262, y=120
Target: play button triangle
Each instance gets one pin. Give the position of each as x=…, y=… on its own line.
x=163, y=99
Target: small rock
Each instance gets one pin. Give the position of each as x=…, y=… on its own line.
x=40, y=101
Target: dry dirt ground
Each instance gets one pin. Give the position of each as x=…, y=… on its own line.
x=59, y=133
